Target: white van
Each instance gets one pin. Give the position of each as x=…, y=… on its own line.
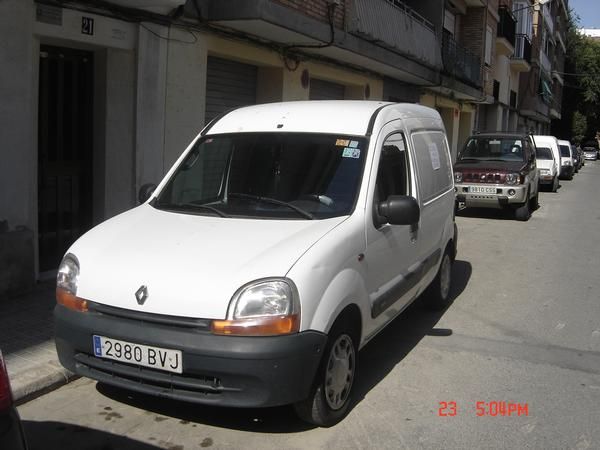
x=552, y=143
x=283, y=239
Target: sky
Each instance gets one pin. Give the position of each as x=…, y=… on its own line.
x=588, y=12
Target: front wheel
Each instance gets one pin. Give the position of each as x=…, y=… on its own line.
x=330, y=397
x=523, y=212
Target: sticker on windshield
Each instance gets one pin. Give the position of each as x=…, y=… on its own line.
x=434, y=154
x=353, y=144
x=351, y=153
x=342, y=142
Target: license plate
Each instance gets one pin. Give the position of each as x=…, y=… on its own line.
x=142, y=355
x=482, y=190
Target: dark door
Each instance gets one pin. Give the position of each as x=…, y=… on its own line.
x=326, y=90
x=64, y=151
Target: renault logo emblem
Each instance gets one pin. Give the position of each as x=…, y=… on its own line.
x=141, y=295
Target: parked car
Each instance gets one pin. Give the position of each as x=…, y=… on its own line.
x=590, y=153
x=284, y=238
x=576, y=158
x=498, y=170
x=567, y=165
x=547, y=168
x=11, y=430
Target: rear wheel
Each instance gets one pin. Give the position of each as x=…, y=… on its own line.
x=330, y=397
x=438, y=292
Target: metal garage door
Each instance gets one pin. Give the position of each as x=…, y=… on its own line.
x=326, y=90
x=229, y=84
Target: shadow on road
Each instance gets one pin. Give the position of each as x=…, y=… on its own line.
x=64, y=436
x=377, y=359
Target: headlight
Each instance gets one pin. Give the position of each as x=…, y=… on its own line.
x=458, y=177
x=263, y=308
x=512, y=178
x=66, y=284
x=544, y=171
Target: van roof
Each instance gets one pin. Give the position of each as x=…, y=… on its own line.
x=346, y=117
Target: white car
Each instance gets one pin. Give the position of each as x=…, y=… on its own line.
x=567, y=162
x=547, y=168
x=283, y=239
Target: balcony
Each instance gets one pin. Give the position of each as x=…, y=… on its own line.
x=505, y=42
x=545, y=62
x=521, y=59
x=397, y=27
x=548, y=20
x=155, y=6
x=459, y=62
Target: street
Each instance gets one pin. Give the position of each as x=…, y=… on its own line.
x=514, y=362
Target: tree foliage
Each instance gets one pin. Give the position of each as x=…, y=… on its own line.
x=581, y=96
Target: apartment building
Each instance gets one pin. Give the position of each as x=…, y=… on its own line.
x=100, y=97
x=542, y=86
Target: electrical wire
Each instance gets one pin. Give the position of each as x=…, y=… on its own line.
x=170, y=39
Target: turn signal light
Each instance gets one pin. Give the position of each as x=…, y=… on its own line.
x=259, y=326
x=70, y=301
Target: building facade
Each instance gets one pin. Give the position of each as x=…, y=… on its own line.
x=100, y=98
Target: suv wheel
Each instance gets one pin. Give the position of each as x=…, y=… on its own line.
x=555, y=184
x=330, y=397
x=534, y=202
x=523, y=212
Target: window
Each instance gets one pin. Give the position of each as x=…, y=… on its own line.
x=488, y=45
x=449, y=22
x=392, y=174
x=433, y=162
x=544, y=153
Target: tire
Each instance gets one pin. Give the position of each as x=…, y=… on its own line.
x=554, y=184
x=438, y=292
x=523, y=212
x=331, y=394
x=534, y=201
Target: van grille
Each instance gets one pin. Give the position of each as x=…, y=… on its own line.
x=148, y=380
x=484, y=177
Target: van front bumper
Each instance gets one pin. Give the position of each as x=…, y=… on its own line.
x=217, y=370
x=495, y=196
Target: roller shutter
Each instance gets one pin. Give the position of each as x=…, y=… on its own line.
x=326, y=90
x=229, y=84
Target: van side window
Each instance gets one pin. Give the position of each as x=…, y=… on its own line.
x=392, y=174
x=433, y=162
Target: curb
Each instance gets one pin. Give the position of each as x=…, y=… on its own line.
x=40, y=380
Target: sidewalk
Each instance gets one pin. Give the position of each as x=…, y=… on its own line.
x=27, y=343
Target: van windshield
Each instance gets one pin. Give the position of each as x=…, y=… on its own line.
x=483, y=148
x=268, y=175
x=543, y=153
x=565, y=151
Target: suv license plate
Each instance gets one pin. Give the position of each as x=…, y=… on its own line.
x=142, y=355
x=482, y=190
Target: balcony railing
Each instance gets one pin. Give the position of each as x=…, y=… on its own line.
x=522, y=48
x=393, y=25
x=507, y=25
x=459, y=62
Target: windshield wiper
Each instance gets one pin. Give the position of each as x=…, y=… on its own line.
x=273, y=201
x=468, y=159
x=187, y=206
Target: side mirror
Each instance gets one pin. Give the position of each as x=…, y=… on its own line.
x=400, y=210
x=145, y=192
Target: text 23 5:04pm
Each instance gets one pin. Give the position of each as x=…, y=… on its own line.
x=486, y=408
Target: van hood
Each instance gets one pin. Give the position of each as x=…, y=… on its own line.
x=191, y=264
x=490, y=166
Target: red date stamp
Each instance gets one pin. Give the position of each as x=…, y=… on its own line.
x=486, y=408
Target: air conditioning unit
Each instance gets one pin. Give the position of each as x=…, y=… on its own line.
x=155, y=6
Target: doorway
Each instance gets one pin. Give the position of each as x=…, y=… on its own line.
x=65, y=143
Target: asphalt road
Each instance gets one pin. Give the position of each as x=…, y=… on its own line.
x=524, y=329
